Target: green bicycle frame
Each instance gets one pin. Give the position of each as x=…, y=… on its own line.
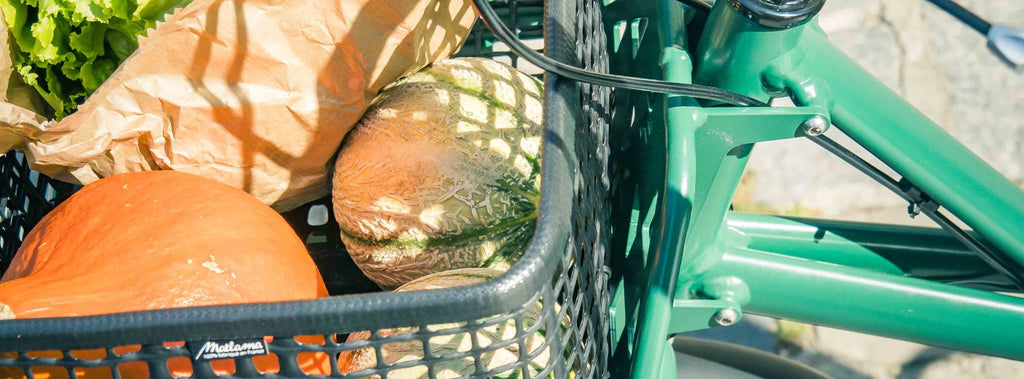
x=683, y=261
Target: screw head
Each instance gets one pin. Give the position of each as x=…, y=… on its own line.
x=726, y=317
x=815, y=126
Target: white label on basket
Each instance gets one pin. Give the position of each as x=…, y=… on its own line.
x=227, y=349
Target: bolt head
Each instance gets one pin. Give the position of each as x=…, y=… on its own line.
x=726, y=317
x=815, y=126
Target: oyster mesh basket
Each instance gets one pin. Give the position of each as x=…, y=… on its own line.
x=545, y=317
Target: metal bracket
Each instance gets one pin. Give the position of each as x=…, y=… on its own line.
x=733, y=127
x=919, y=201
x=720, y=133
x=696, y=314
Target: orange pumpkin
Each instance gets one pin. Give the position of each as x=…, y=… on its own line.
x=153, y=240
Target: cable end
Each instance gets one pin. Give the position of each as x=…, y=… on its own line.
x=1008, y=44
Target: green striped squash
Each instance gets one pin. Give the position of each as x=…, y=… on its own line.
x=442, y=172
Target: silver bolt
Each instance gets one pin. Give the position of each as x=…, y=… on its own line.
x=815, y=126
x=726, y=317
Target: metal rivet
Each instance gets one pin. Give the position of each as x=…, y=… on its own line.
x=726, y=317
x=815, y=126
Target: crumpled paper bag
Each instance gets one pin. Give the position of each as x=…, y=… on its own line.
x=257, y=94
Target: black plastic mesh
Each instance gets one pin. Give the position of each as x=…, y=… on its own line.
x=524, y=350
x=523, y=17
x=562, y=331
x=583, y=284
x=26, y=197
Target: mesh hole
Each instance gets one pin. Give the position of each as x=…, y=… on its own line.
x=313, y=363
x=490, y=334
x=128, y=370
x=402, y=351
x=11, y=372
x=179, y=367
x=85, y=355
x=264, y=363
x=399, y=346
x=46, y=354
x=446, y=344
x=419, y=371
x=352, y=360
x=40, y=372
x=89, y=354
x=453, y=368
x=227, y=366
x=503, y=59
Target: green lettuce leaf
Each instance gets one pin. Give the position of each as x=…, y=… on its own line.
x=66, y=48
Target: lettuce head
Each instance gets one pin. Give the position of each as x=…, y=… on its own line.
x=66, y=48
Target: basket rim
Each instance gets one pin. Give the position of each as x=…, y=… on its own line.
x=356, y=312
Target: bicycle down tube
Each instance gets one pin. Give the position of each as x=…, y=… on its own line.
x=802, y=62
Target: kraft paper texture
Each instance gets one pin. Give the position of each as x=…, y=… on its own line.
x=256, y=94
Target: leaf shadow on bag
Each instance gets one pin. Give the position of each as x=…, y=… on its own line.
x=357, y=66
x=451, y=36
x=223, y=114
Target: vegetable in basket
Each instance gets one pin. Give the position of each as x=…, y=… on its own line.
x=448, y=339
x=257, y=94
x=442, y=172
x=66, y=49
x=157, y=240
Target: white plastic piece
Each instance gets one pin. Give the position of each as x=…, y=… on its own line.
x=1008, y=44
x=317, y=215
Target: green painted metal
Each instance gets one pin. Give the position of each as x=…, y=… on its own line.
x=617, y=315
x=906, y=140
x=875, y=294
x=676, y=197
x=872, y=302
x=668, y=361
x=733, y=52
x=724, y=138
x=675, y=208
x=644, y=35
x=926, y=253
x=690, y=314
x=697, y=195
x=740, y=56
x=678, y=258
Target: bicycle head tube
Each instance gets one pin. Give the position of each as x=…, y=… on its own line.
x=778, y=14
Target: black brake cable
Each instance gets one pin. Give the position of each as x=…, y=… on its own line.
x=699, y=5
x=917, y=198
x=493, y=22
x=921, y=203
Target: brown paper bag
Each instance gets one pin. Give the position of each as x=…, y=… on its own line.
x=257, y=94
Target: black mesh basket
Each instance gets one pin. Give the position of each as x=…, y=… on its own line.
x=549, y=311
